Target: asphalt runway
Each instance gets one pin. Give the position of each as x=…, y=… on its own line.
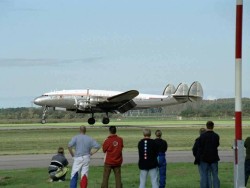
x=43, y=160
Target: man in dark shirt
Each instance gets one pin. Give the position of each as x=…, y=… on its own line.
x=247, y=159
x=208, y=148
x=58, y=166
x=147, y=149
x=162, y=163
x=196, y=155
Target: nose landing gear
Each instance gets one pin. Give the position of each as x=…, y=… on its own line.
x=45, y=109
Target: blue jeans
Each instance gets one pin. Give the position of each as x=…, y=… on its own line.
x=206, y=169
x=209, y=178
x=153, y=175
x=162, y=170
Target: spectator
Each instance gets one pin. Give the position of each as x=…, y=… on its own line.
x=162, y=163
x=112, y=147
x=196, y=155
x=84, y=146
x=148, y=152
x=247, y=159
x=208, y=148
x=58, y=166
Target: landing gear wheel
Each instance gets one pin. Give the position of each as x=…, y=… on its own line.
x=91, y=121
x=105, y=120
x=43, y=121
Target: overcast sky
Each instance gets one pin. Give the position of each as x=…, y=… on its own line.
x=48, y=45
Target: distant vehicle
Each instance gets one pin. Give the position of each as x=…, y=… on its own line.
x=101, y=101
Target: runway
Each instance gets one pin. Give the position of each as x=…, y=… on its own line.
x=129, y=157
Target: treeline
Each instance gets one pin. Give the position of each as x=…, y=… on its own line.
x=221, y=108
x=216, y=108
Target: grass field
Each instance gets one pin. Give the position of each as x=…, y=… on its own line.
x=41, y=139
x=179, y=175
x=37, y=139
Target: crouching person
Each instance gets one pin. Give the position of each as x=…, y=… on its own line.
x=58, y=166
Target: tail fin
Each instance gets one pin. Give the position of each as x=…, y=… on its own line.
x=195, y=92
x=169, y=90
x=183, y=93
x=182, y=90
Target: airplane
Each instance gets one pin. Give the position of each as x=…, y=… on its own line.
x=90, y=101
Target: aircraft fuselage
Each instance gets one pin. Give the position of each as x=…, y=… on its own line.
x=103, y=101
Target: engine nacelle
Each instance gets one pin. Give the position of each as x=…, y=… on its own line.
x=83, y=105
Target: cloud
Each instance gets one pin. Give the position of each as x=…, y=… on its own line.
x=27, y=62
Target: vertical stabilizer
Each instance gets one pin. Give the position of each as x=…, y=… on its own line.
x=195, y=92
x=182, y=90
x=169, y=90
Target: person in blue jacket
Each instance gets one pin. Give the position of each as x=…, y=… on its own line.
x=162, y=162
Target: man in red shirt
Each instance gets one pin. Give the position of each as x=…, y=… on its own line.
x=112, y=147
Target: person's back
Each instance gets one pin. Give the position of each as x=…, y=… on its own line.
x=209, y=143
x=195, y=150
x=162, y=147
x=61, y=158
x=247, y=146
x=58, y=166
x=112, y=147
x=208, y=150
x=83, y=144
x=148, y=152
x=148, y=157
x=247, y=159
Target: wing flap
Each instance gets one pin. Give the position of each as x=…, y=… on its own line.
x=126, y=107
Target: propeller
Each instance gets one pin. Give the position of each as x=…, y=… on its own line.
x=75, y=102
x=83, y=103
x=88, y=97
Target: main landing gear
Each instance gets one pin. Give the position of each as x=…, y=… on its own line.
x=105, y=120
x=91, y=120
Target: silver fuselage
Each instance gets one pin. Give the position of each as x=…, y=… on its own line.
x=68, y=99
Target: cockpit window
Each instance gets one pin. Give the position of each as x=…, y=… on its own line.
x=45, y=95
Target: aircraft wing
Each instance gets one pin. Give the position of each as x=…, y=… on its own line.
x=121, y=102
x=126, y=96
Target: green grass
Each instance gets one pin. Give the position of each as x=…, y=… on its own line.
x=180, y=135
x=179, y=175
x=46, y=139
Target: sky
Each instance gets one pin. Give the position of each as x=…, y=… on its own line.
x=119, y=45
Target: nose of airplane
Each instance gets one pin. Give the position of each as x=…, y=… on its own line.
x=38, y=101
